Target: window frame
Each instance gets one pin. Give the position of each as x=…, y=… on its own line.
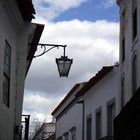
x=89, y=127
x=7, y=74
x=134, y=20
x=123, y=50
x=73, y=133
x=122, y=91
x=111, y=104
x=98, y=129
x=59, y=138
x=66, y=136
x=134, y=74
x=123, y=21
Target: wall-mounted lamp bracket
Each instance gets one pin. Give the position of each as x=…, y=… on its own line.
x=45, y=50
x=63, y=63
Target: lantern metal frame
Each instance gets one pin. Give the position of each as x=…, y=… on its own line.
x=63, y=58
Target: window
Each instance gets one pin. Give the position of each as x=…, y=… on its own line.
x=59, y=138
x=123, y=50
x=73, y=137
x=98, y=124
x=110, y=116
x=89, y=127
x=135, y=24
x=123, y=36
x=73, y=133
x=134, y=19
x=123, y=23
x=134, y=74
x=66, y=136
x=6, y=74
x=122, y=92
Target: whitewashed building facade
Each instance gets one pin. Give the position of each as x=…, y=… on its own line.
x=68, y=116
x=100, y=97
x=89, y=116
x=127, y=124
x=129, y=49
x=16, y=31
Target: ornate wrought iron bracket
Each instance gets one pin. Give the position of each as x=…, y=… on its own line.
x=45, y=50
x=63, y=63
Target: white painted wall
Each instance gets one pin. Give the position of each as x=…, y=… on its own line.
x=71, y=117
x=16, y=32
x=131, y=48
x=98, y=96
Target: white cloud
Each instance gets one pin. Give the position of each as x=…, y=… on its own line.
x=90, y=44
x=54, y=7
x=39, y=106
x=108, y=3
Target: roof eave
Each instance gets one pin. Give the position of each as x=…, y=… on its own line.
x=75, y=87
x=27, y=9
x=35, y=41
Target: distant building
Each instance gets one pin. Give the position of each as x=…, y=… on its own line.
x=16, y=32
x=88, y=110
x=127, y=124
x=47, y=130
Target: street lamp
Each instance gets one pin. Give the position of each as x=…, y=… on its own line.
x=63, y=63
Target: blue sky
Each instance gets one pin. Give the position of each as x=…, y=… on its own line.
x=91, y=10
x=65, y=10
x=90, y=29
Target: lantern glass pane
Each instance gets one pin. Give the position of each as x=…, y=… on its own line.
x=64, y=67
